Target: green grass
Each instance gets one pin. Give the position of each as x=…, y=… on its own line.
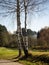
x=33, y=63
x=36, y=57
x=6, y=53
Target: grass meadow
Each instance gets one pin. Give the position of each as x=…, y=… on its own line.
x=36, y=57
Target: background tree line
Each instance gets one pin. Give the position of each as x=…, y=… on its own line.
x=43, y=38
x=10, y=40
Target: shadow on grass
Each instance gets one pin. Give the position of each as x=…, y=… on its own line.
x=33, y=59
x=42, y=58
x=16, y=57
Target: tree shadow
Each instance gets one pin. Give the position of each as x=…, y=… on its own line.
x=33, y=59
x=42, y=58
x=16, y=57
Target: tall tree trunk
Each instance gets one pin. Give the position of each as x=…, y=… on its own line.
x=26, y=37
x=19, y=30
x=19, y=27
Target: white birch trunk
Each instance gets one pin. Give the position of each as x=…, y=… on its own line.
x=26, y=37
x=19, y=27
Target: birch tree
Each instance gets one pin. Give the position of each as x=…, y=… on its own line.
x=19, y=26
x=29, y=7
x=26, y=37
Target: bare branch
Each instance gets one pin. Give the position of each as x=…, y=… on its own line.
x=10, y=5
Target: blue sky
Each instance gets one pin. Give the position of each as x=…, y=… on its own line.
x=34, y=22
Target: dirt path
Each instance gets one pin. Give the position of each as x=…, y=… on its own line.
x=7, y=62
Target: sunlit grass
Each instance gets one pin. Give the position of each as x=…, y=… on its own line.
x=39, y=52
x=37, y=58
x=6, y=53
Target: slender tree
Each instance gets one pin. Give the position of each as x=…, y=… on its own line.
x=27, y=6
x=19, y=26
x=26, y=37
x=19, y=30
